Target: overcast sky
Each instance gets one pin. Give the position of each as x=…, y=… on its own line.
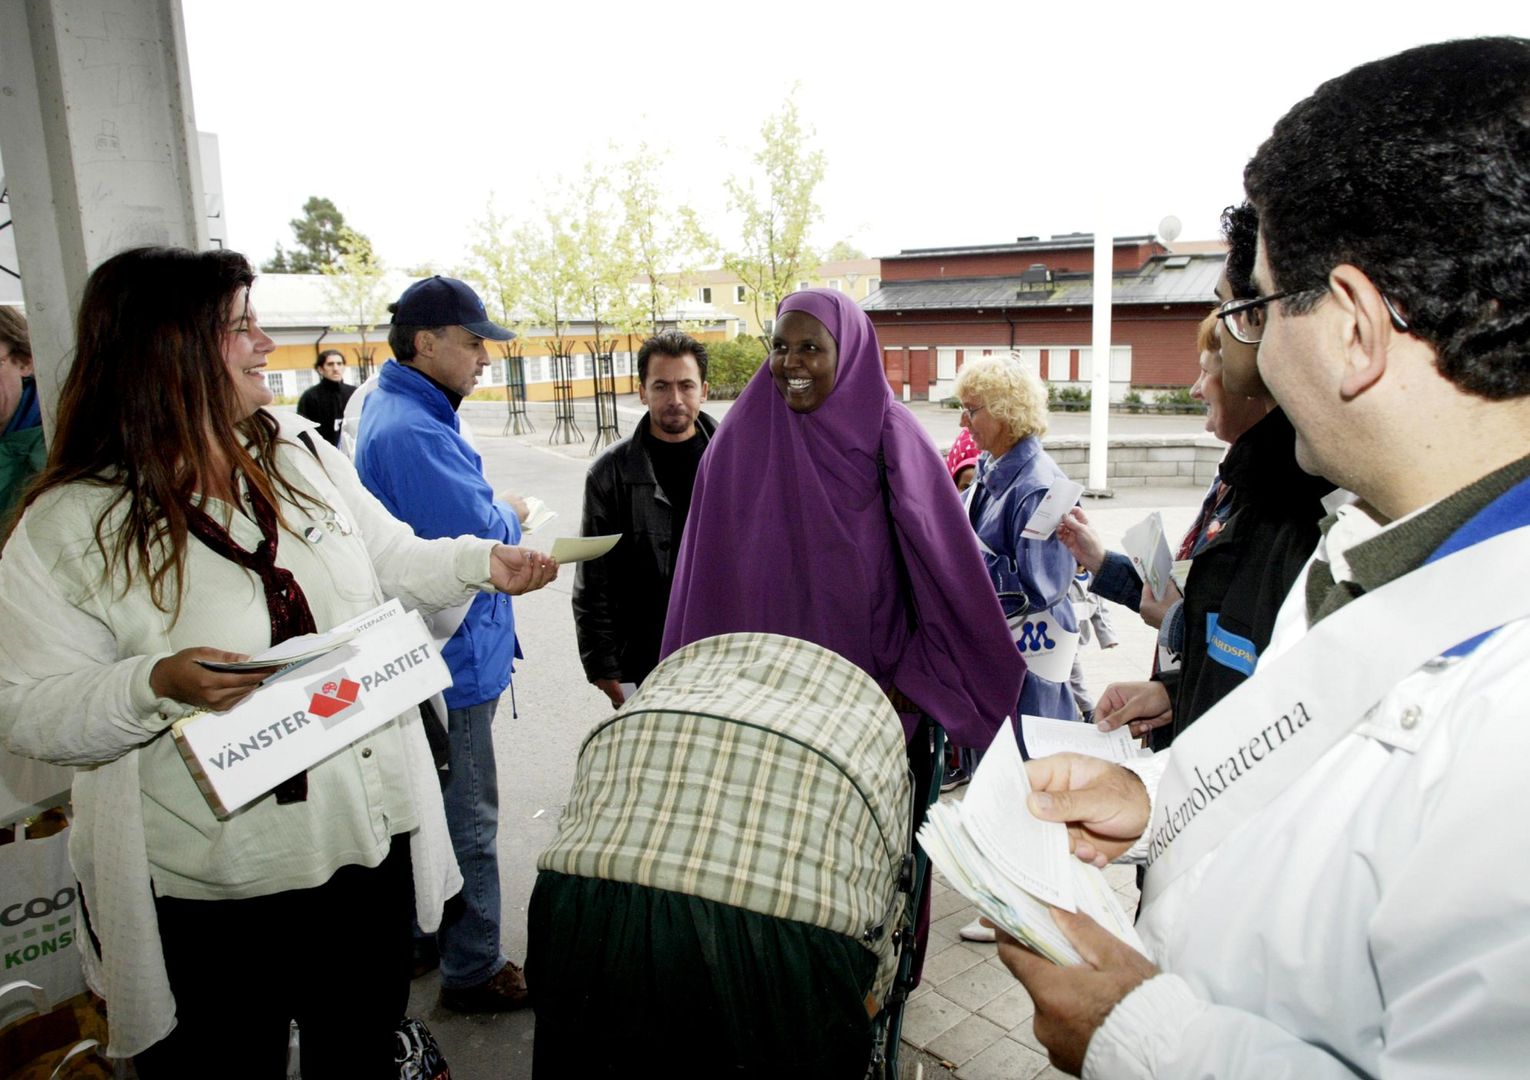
x=947, y=123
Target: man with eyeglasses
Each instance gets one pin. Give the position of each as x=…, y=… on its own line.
x=1335, y=885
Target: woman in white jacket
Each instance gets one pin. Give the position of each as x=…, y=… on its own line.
x=178, y=522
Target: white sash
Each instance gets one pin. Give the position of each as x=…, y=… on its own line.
x=1265, y=734
x=1048, y=648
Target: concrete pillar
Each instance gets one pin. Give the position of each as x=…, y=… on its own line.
x=100, y=150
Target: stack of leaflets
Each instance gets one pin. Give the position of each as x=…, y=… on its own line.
x=1014, y=866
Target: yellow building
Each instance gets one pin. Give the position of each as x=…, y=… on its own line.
x=296, y=310
x=856, y=278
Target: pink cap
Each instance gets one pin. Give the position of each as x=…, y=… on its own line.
x=964, y=452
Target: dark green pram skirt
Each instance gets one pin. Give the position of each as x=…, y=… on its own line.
x=626, y=978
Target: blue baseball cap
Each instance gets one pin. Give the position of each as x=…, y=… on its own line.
x=444, y=301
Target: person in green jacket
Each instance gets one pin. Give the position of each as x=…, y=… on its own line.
x=21, y=435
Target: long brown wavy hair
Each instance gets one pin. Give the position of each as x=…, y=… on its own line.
x=149, y=408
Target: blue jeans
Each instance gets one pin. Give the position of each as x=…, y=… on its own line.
x=469, y=934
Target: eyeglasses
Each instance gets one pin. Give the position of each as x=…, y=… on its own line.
x=971, y=414
x=1244, y=319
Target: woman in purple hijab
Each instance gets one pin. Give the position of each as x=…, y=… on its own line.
x=789, y=530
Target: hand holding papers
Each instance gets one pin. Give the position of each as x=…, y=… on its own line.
x=1149, y=551
x=387, y=664
x=1059, y=499
x=1013, y=865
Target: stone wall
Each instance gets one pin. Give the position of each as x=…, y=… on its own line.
x=1135, y=460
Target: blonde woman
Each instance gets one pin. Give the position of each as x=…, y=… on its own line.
x=1005, y=409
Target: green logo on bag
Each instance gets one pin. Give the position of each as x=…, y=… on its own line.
x=38, y=949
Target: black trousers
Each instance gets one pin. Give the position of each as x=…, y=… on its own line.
x=334, y=958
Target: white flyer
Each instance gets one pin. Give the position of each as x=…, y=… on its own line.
x=1059, y=499
x=1148, y=550
x=1045, y=736
x=572, y=549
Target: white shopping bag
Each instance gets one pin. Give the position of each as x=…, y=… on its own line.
x=40, y=915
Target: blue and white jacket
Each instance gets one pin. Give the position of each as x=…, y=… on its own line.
x=411, y=456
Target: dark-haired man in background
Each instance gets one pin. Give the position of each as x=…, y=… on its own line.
x=324, y=402
x=641, y=487
x=1335, y=883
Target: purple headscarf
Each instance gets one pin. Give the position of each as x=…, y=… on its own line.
x=788, y=534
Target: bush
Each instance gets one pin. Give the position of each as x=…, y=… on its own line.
x=1133, y=401
x=1179, y=396
x=1068, y=398
x=731, y=364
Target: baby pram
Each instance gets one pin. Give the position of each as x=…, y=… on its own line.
x=733, y=884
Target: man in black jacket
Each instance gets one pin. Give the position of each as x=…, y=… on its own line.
x=641, y=488
x=324, y=402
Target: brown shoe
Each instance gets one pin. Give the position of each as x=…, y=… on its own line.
x=505, y=991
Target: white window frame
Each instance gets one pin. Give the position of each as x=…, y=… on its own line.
x=740, y=294
x=705, y=294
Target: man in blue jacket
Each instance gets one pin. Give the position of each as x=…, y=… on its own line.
x=411, y=455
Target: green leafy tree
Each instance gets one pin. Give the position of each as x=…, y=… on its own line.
x=843, y=251
x=318, y=233
x=355, y=283
x=601, y=267
x=777, y=211
x=662, y=244
x=545, y=249
x=495, y=269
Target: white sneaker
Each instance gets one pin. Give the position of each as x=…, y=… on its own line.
x=976, y=931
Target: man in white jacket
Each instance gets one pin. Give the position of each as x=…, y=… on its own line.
x=1337, y=883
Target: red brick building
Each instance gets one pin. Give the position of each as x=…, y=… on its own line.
x=938, y=306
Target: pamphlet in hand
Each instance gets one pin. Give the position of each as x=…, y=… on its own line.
x=1059, y=499
x=1045, y=736
x=537, y=514
x=1149, y=552
x=572, y=549
x=296, y=651
x=303, y=715
x=289, y=654
x=1014, y=866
